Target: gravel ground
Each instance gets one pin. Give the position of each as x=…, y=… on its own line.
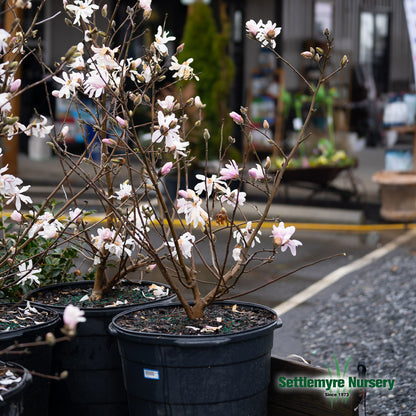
x=373, y=320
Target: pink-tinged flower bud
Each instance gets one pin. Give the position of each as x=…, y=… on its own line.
x=65, y=131
x=252, y=173
x=110, y=142
x=15, y=85
x=72, y=316
x=179, y=49
x=166, y=168
x=150, y=267
x=183, y=194
x=55, y=93
x=121, y=121
x=236, y=118
x=307, y=55
x=267, y=163
x=16, y=216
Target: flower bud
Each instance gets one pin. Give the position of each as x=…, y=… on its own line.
x=50, y=339
x=70, y=53
x=236, y=118
x=110, y=142
x=64, y=131
x=121, y=121
x=198, y=103
x=16, y=216
x=166, y=168
x=206, y=135
x=267, y=163
x=150, y=267
x=277, y=241
x=179, y=49
x=189, y=102
x=307, y=55
x=104, y=11
x=266, y=125
x=344, y=61
x=319, y=50
x=63, y=375
x=15, y=85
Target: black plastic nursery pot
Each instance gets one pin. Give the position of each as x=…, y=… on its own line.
x=196, y=375
x=39, y=359
x=94, y=385
x=12, y=403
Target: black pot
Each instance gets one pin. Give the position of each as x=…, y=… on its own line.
x=196, y=375
x=13, y=400
x=94, y=386
x=39, y=359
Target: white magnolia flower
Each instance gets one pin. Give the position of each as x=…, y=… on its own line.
x=168, y=129
x=230, y=171
x=107, y=240
x=183, y=70
x=185, y=242
x=194, y=213
x=145, y=5
x=72, y=316
x=69, y=83
x=161, y=39
x=41, y=221
x=281, y=238
x=237, y=253
x=104, y=57
x=39, y=128
x=208, y=184
x=168, y=103
x=243, y=235
x=96, y=82
x=75, y=215
x=82, y=9
x=4, y=35
x=17, y=196
x=5, y=106
x=125, y=191
x=257, y=172
x=233, y=198
x=27, y=272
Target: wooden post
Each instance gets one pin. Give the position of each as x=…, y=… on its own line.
x=11, y=147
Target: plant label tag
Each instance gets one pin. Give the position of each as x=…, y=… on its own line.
x=151, y=374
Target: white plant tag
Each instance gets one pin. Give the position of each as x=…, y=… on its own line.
x=151, y=374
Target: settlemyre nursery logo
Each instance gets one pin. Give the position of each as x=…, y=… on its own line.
x=334, y=386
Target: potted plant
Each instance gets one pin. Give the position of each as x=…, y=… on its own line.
x=26, y=341
x=145, y=229
x=14, y=381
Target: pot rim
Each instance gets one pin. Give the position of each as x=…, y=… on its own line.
x=26, y=379
x=117, y=330
x=13, y=334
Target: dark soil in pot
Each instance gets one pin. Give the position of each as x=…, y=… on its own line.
x=125, y=294
x=24, y=323
x=218, y=319
x=95, y=384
